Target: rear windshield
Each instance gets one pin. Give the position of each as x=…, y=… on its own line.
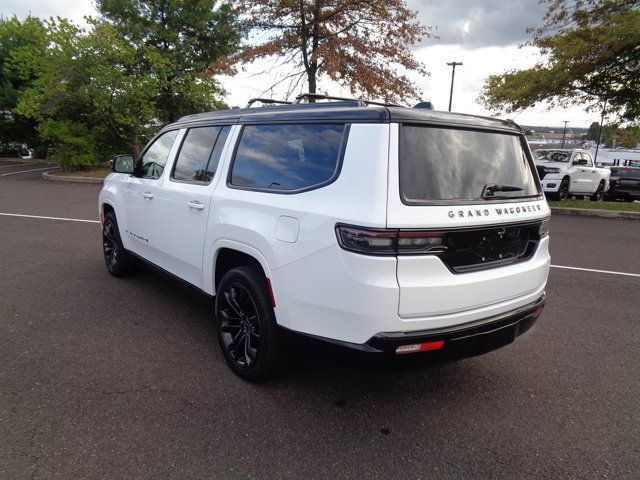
x=446, y=164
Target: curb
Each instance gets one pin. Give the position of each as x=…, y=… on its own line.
x=585, y=212
x=59, y=178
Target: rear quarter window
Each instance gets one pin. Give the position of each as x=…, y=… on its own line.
x=287, y=157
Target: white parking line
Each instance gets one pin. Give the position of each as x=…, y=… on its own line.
x=596, y=271
x=27, y=171
x=49, y=218
x=18, y=165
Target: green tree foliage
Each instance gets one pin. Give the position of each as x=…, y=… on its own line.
x=592, y=55
x=187, y=37
x=614, y=134
x=626, y=137
x=594, y=131
x=89, y=97
x=103, y=90
x=17, y=38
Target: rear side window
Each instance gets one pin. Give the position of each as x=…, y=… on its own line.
x=287, y=157
x=446, y=165
x=200, y=154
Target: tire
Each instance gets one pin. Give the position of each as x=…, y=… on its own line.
x=599, y=193
x=119, y=262
x=563, y=192
x=246, y=325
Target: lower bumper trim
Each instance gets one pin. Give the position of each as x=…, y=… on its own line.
x=460, y=341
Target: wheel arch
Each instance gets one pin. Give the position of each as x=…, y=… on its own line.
x=228, y=254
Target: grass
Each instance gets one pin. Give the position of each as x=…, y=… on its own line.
x=588, y=204
x=100, y=172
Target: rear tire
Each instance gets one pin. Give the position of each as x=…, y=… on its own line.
x=599, y=193
x=119, y=262
x=247, y=330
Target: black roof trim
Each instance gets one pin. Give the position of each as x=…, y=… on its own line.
x=343, y=112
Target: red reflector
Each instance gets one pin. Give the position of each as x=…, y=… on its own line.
x=273, y=300
x=420, y=347
x=536, y=312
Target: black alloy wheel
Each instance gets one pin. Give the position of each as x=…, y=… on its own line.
x=563, y=191
x=239, y=326
x=110, y=244
x=119, y=261
x=247, y=330
x=599, y=193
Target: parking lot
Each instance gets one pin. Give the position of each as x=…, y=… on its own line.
x=123, y=378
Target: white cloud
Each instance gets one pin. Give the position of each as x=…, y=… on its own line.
x=72, y=9
x=482, y=34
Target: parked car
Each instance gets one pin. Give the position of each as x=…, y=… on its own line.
x=566, y=172
x=379, y=229
x=625, y=184
x=25, y=154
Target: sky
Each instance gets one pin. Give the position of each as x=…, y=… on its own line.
x=485, y=35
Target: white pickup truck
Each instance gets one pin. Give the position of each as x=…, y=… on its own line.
x=565, y=172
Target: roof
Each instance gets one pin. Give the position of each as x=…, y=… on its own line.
x=344, y=111
x=561, y=150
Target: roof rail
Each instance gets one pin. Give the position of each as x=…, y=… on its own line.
x=270, y=101
x=318, y=96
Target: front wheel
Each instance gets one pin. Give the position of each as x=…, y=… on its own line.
x=247, y=330
x=563, y=192
x=119, y=262
x=599, y=193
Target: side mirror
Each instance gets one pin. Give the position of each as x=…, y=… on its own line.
x=123, y=164
x=581, y=161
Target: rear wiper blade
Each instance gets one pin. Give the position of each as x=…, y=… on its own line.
x=490, y=188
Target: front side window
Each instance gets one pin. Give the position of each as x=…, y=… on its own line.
x=448, y=164
x=199, y=154
x=151, y=163
x=586, y=157
x=287, y=157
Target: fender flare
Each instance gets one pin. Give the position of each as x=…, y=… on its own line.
x=211, y=258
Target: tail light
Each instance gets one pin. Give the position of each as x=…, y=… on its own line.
x=372, y=241
x=543, y=230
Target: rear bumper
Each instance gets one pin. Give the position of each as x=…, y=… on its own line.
x=624, y=194
x=466, y=340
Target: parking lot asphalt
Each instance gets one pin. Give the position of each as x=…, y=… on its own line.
x=123, y=378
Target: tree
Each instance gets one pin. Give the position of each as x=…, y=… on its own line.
x=187, y=37
x=88, y=98
x=627, y=137
x=592, y=56
x=593, y=132
x=359, y=44
x=17, y=37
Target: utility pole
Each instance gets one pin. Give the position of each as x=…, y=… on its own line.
x=564, y=132
x=453, y=75
x=604, y=108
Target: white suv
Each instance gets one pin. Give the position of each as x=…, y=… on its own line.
x=386, y=230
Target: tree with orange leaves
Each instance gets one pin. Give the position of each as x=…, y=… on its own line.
x=362, y=45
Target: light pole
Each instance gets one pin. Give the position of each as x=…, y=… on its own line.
x=604, y=109
x=453, y=75
x=564, y=132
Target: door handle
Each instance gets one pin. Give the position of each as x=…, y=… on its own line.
x=148, y=195
x=196, y=205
